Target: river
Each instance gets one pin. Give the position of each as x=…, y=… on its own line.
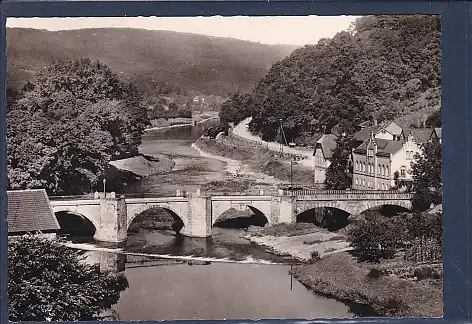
x=255, y=285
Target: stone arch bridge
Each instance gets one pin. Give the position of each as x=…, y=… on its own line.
x=112, y=215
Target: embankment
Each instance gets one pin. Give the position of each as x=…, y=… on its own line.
x=260, y=159
x=341, y=277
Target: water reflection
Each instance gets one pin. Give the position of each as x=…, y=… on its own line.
x=172, y=289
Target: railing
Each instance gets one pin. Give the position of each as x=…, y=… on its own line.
x=76, y=197
x=349, y=194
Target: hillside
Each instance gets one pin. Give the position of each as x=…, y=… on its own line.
x=153, y=60
x=386, y=68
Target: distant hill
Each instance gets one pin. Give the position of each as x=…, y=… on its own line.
x=152, y=59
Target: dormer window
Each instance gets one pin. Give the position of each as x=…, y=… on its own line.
x=370, y=153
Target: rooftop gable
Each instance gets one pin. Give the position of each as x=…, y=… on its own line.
x=327, y=142
x=30, y=211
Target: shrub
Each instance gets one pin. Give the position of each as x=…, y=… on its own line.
x=315, y=256
x=373, y=239
x=376, y=273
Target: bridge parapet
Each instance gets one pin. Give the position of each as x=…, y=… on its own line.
x=347, y=194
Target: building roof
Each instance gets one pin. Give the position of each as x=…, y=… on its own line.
x=389, y=127
x=327, y=142
x=30, y=211
x=420, y=135
x=384, y=147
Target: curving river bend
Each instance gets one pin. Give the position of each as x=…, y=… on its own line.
x=169, y=290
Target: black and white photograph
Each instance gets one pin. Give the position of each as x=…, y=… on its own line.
x=184, y=168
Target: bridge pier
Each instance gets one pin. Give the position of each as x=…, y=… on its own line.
x=112, y=224
x=285, y=213
x=199, y=216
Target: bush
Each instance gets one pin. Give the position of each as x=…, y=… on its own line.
x=47, y=281
x=373, y=239
x=376, y=273
x=315, y=256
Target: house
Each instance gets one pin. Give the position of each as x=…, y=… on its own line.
x=387, y=131
x=376, y=160
x=29, y=211
x=420, y=135
x=324, y=149
x=437, y=135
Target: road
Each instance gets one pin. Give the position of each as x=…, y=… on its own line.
x=241, y=130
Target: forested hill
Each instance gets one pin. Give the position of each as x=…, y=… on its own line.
x=386, y=68
x=150, y=59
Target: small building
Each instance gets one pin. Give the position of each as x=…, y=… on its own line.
x=388, y=131
x=436, y=135
x=376, y=160
x=324, y=149
x=29, y=211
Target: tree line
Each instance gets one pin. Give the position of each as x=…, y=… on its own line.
x=66, y=125
x=374, y=70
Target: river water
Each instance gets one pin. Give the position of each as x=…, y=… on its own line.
x=255, y=285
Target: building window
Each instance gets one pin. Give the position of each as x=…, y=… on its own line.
x=386, y=171
x=370, y=153
x=363, y=182
x=357, y=166
x=379, y=169
x=383, y=170
x=403, y=171
x=363, y=166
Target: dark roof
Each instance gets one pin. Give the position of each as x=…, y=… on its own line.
x=364, y=133
x=420, y=135
x=328, y=144
x=384, y=147
x=30, y=211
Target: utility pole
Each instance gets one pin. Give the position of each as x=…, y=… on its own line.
x=291, y=155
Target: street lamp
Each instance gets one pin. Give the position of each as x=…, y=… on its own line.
x=104, y=188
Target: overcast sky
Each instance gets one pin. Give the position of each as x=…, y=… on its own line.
x=299, y=30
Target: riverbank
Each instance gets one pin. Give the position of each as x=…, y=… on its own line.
x=302, y=241
x=260, y=161
x=329, y=269
x=340, y=276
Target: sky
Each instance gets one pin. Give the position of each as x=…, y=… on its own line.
x=295, y=30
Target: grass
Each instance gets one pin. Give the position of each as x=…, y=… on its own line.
x=340, y=276
x=294, y=229
x=227, y=185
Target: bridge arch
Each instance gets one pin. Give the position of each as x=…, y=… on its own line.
x=135, y=210
x=257, y=218
x=330, y=218
x=91, y=218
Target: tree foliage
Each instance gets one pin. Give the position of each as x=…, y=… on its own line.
x=378, y=237
x=338, y=175
x=373, y=239
x=372, y=71
x=427, y=176
x=67, y=125
x=236, y=108
x=47, y=281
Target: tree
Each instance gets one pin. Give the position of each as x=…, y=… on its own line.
x=373, y=239
x=236, y=108
x=67, y=125
x=434, y=120
x=427, y=176
x=48, y=281
x=338, y=175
